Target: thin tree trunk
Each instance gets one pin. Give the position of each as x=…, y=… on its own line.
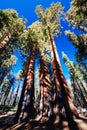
x=3, y=77
x=15, y=98
x=77, y=94
x=84, y=91
x=5, y=96
x=82, y=95
x=26, y=103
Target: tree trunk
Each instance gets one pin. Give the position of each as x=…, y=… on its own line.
x=15, y=98
x=45, y=88
x=4, y=98
x=81, y=92
x=60, y=82
x=4, y=42
x=77, y=94
x=84, y=91
x=3, y=77
x=26, y=103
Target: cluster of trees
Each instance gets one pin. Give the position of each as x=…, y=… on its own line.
x=77, y=18
x=36, y=42
x=11, y=27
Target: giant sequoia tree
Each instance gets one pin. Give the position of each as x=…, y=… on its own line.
x=25, y=107
x=34, y=40
x=50, y=19
x=46, y=93
x=11, y=26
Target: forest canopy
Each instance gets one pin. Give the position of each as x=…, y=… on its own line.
x=40, y=85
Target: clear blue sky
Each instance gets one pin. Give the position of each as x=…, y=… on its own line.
x=26, y=8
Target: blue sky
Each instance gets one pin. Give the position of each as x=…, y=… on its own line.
x=26, y=8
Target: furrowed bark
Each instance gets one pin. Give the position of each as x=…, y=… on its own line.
x=26, y=103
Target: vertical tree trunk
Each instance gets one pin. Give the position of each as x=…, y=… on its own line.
x=77, y=94
x=84, y=92
x=3, y=77
x=14, y=103
x=81, y=92
x=26, y=103
x=60, y=82
x=45, y=88
x=4, y=98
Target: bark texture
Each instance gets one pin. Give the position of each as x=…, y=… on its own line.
x=26, y=103
x=4, y=42
x=60, y=82
x=45, y=88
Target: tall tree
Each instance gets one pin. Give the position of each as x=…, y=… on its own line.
x=6, y=67
x=35, y=35
x=77, y=17
x=25, y=107
x=6, y=88
x=79, y=41
x=45, y=87
x=45, y=81
x=18, y=78
x=77, y=80
x=11, y=27
x=50, y=19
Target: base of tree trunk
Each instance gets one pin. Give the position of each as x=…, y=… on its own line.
x=74, y=110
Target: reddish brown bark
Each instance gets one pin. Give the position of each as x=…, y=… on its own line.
x=59, y=80
x=26, y=103
x=4, y=42
x=45, y=88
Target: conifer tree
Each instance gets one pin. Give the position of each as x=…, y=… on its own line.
x=50, y=19
x=77, y=17
x=77, y=80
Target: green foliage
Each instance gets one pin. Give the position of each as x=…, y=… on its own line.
x=77, y=14
x=9, y=62
x=77, y=79
x=35, y=34
x=10, y=23
x=7, y=17
x=13, y=26
x=19, y=75
x=51, y=16
x=80, y=42
x=6, y=67
x=74, y=69
x=77, y=17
